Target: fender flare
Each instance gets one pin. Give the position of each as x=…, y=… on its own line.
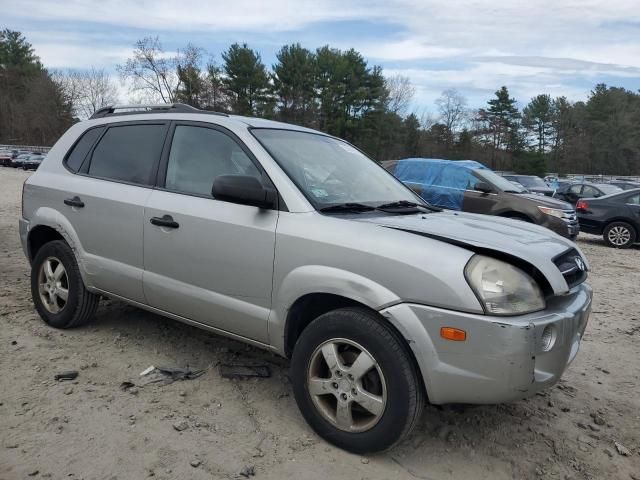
x=311, y=279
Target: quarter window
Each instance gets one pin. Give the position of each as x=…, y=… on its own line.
x=634, y=200
x=128, y=153
x=82, y=147
x=199, y=154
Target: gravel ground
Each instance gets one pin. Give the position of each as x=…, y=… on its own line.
x=587, y=426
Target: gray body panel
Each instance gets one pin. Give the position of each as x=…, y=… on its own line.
x=237, y=270
x=216, y=268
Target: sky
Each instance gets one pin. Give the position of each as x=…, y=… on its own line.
x=559, y=47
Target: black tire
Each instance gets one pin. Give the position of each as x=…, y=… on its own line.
x=80, y=305
x=404, y=389
x=627, y=234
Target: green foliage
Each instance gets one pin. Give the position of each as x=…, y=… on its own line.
x=33, y=108
x=246, y=80
x=294, y=79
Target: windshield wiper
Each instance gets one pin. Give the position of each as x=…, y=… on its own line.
x=347, y=207
x=405, y=204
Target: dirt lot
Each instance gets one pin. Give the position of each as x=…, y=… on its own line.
x=91, y=429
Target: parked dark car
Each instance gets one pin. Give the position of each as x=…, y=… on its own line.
x=625, y=184
x=532, y=183
x=616, y=217
x=571, y=193
x=5, y=158
x=20, y=159
x=33, y=162
x=471, y=187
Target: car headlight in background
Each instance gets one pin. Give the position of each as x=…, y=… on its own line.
x=555, y=212
x=503, y=288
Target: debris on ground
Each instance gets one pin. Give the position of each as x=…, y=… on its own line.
x=124, y=386
x=244, y=371
x=195, y=463
x=622, y=450
x=70, y=375
x=181, y=425
x=167, y=375
x=147, y=371
x=247, y=472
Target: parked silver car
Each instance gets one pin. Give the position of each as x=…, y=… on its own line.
x=295, y=241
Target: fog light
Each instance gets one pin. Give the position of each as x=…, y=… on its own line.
x=548, y=338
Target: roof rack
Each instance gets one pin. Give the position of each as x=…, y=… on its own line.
x=113, y=110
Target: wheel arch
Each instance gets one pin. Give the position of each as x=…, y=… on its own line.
x=626, y=220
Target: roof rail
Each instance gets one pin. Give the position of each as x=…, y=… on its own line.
x=113, y=110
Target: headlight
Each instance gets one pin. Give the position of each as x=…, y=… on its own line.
x=555, y=212
x=503, y=288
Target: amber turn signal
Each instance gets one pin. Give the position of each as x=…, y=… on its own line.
x=455, y=334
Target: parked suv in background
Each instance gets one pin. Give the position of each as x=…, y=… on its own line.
x=296, y=242
x=532, y=183
x=471, y=187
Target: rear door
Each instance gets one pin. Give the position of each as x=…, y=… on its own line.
x=214, y=264
x=115, y=168
x=633, y=206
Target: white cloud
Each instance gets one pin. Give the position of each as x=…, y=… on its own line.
x=530, y=46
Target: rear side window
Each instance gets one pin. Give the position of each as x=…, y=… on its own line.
x=82, y=147
x=634, y=200
x=128, y=153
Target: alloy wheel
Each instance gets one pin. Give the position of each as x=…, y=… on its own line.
x=347, y=385
x=619, y=235
x=53, y=285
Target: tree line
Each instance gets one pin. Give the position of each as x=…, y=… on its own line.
x=335, y=91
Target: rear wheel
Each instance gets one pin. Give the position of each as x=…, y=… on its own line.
x=619, y=235
x=58, y=292
x=355, y=381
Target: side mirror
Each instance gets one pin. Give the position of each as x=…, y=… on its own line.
x=483, y=187
x=243, y=189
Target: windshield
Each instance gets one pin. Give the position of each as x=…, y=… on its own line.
x=531, y=182
x=499, y=182
x=329, y=171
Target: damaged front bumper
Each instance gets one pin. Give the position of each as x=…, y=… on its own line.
x=502, y=358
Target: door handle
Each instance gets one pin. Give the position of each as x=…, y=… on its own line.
x=164, y=221
x=74, y=202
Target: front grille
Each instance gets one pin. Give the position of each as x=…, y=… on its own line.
x=574, y=271
x=569, y=216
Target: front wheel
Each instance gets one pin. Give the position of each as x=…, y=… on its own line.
x=57, y=288
x=619, y=235
x=355, y=381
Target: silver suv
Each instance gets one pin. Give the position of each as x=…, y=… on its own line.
x=295, y=241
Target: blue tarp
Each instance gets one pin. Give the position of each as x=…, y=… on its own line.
x=439, y=182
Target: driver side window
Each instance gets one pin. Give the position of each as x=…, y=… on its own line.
x=199, y=154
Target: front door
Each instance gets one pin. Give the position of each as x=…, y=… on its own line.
x=208, y=260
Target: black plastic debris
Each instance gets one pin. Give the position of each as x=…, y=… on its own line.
x=244, y=371
x=247, y=472
x=70, y=375
x=126, y=386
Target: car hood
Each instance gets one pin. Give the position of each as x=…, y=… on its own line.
x=528, y=242
x=545, y=201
